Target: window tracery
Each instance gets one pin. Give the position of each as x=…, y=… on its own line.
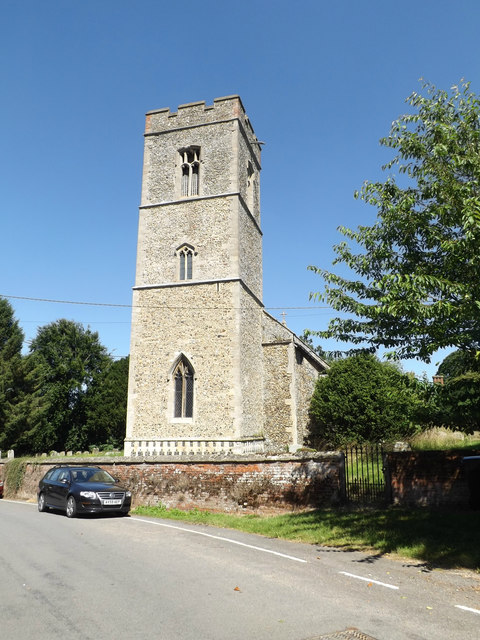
x=183, y=382
x=185, y=255
x=190, y=171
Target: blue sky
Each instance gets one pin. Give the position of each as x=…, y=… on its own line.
x=321, y=82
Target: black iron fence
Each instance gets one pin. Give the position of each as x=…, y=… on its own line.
x=365, y=474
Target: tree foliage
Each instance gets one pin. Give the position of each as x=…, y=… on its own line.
x=106, y=405
x=418, y=266
x=364, y=400
x=11, y=370
x=459, y=397
x=64, y=361
x=66, y=393
x=457, y=363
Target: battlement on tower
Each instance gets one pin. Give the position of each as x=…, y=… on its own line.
x=197, y=113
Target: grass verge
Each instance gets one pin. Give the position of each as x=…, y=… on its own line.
x=438, y=538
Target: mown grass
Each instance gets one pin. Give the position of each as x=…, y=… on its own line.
x=438, y=538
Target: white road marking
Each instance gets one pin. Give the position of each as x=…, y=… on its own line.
x=381, y=584
x=209, y=535
x=459, y=606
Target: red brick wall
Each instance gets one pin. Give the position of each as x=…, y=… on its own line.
x=246, y=485
x=428, y=478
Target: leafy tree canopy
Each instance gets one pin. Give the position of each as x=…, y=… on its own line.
x=11, y=371
x=459, y=398
x=457, y=363
x=364, y=400
x=106, y=406
x=11, y=335
x=64, y=361
x=418, y=266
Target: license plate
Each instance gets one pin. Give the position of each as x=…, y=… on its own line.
x=112, y=502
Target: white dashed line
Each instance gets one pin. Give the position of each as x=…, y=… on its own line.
x=381, y=584
x=459, y=606
x=209, y=535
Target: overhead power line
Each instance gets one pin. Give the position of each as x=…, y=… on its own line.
x=92, y=304
x=130, y=306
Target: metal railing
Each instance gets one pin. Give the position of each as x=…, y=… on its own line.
x=365, y=474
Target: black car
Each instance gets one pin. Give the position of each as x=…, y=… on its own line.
x=77, y=490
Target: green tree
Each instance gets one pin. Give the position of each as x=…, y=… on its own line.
x=459, y=397
x=11, y=371
x=457, y=363
x=106, y=406
x=64, y=361
x=364, y=400
x=418, y=266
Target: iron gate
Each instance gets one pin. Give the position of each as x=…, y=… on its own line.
x=365, y=474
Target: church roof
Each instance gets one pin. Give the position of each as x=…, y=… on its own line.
x=276, y=332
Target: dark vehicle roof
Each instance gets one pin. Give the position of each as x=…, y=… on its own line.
x=77, y=466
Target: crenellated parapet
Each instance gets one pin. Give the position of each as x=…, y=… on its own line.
x=194, y=114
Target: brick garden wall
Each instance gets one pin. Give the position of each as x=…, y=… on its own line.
x=269, y=485
x=250, y=484
x=428, y=478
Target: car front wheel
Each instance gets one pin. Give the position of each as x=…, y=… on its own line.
x=41, y=503
x=71, y=507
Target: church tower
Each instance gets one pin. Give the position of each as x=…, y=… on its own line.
x=196, y=365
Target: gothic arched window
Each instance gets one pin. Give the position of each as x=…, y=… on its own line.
x=183, y=390
x=190, y=171
x=185, y=262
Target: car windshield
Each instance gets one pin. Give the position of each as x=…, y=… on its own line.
x=92, y=475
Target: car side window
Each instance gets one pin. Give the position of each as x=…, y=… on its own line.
x=64, y=475
x=55, y=475
x=49, y=474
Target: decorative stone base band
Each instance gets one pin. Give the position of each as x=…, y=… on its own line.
x=191, y=446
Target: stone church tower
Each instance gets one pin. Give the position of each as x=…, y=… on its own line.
x=204, y=360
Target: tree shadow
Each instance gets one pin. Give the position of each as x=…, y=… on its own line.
x=430, y=537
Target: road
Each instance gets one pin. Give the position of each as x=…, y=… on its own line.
x=126, y=578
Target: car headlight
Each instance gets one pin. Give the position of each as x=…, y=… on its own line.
x=128, y=494
x=88, y=494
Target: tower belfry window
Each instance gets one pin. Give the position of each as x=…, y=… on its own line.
x=190, y=171
x=183, y=390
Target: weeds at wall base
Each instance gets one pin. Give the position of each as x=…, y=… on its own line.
x=14, y=475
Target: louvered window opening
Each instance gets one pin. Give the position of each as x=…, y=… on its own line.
x=190, y=171
x=183, y=391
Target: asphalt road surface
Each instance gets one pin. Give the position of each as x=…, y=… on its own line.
x=105, y=578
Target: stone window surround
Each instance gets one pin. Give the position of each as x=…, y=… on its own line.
x=185, y=257
x=179, y=357
x=190, y=171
